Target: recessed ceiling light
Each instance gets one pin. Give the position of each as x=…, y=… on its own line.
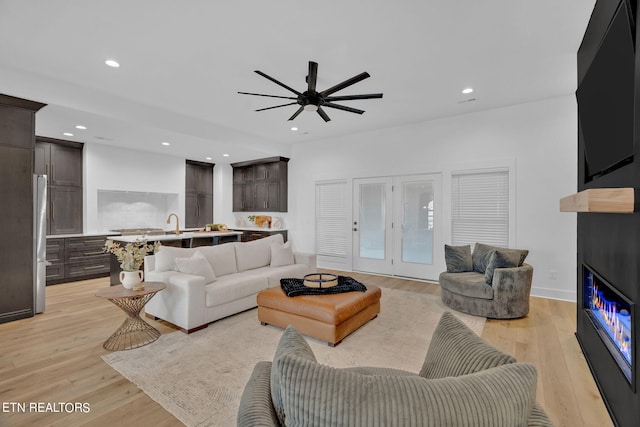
x=225, y=155
x=67, y=134
x=112, y=63
x=207, y=158
x=294, y=128
x=467, y=90
x=166, y=143
x=81, y=127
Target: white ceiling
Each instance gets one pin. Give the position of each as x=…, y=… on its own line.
x=182, y=63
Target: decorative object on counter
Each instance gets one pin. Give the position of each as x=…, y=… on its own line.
x=240, y=222
x=252, y=219
x=276, y=223
x=216, y=227
x=131, y=257
x=263, y=221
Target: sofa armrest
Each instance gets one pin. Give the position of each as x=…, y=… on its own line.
x=306, y=258
x=149, y=264
x=256, y=408
x=182, y=302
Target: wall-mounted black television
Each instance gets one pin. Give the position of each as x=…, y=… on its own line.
x=606, y=98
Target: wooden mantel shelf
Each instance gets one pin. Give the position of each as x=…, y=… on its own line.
x=611, y=200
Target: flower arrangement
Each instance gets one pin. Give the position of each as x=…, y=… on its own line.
x=132, y=254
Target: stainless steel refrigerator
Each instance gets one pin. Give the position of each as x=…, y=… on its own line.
x=40, y=241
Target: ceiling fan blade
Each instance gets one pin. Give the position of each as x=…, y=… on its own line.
x=344, y=84
x=277, y=106
x=270, y=96
x=351, y=97
x=313, y=75
x=342, y=107
x=277, y=82
x=300, y=110
x=323, y=115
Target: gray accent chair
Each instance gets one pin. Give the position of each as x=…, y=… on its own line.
x=463, y=381
x=491, y=282
x=507, y=297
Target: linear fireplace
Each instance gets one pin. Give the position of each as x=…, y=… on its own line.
x=611, y=314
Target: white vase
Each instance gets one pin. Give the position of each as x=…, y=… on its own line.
x=130, y=279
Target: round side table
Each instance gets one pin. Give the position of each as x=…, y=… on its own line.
x=134, y=332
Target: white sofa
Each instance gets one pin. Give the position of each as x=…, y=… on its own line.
x=224, y=279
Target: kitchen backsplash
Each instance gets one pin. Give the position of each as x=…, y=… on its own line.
x=133, y=209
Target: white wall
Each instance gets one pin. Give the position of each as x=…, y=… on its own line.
x=539, y=138
x=112, y=168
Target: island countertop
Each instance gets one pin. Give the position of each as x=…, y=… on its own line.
x=181, y=236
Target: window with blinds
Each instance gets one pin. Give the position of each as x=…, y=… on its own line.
x=332, y=222
x=480, y=211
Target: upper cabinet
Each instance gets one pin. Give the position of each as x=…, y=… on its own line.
x=61, y=161
x=260, y=185
x=198, y=194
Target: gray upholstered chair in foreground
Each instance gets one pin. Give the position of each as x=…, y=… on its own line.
x=492, y=282
x=463, y=381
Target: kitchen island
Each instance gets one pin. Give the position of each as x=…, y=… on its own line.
x=186, y=239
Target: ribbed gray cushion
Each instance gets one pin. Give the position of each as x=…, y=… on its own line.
x=458, y=258
x=456, y=350
x=319, y=395
x=291, y=342
x=256, y=408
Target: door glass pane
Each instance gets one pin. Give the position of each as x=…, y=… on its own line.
x=371, y=227
x=417, y=222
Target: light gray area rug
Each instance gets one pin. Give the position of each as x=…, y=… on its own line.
x=200, y=377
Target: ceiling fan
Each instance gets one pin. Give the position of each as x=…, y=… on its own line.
x=312, y=100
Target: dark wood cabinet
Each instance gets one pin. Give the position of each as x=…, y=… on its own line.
x=250, y=235
x=65, y=210
x=76, y=258
x=61, y=161
x=17, y=138
x=260, y=185
x=198, y=194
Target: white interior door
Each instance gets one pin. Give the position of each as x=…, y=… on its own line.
x=417, y=230
x=396, y=226
x=372, y=213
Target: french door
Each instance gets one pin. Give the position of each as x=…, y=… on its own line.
x=396, y=226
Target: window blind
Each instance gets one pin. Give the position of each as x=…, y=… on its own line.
x=332, y=223
x=480, y=211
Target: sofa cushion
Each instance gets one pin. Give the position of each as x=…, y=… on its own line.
x=197, y=265
x=166, y=255
x=291, y=343
x=281, y=254
x=255, y=254
x=469, y=284
x=319, y=395
x=501, y=259
x=233, y=287
x=274, y=274
x=458, y=258
x=221, y=257
x=456, y=350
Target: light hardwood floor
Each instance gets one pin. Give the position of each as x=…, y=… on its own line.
x=55, y=357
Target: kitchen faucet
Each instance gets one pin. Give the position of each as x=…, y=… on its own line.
x=177, y=222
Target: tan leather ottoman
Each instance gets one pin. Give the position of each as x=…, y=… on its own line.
x=326, y=317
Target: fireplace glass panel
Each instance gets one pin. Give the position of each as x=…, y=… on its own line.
x=611, y=314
